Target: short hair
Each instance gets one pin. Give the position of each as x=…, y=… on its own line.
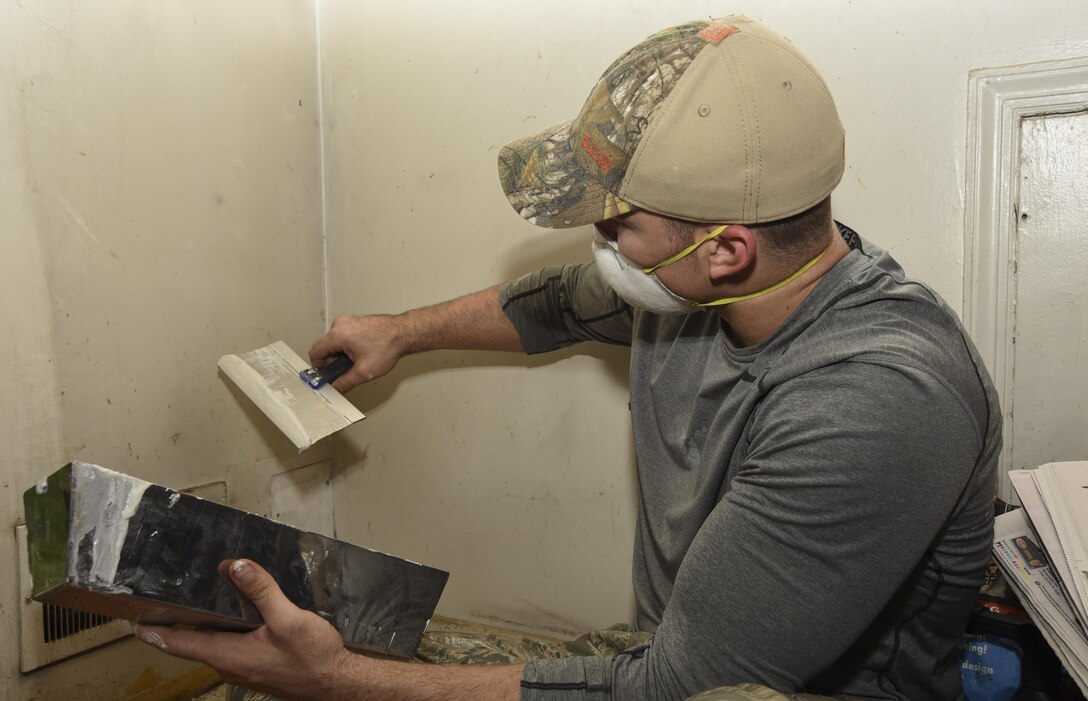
x=799, y=237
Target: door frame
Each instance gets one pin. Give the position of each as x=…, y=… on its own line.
x=999, y=99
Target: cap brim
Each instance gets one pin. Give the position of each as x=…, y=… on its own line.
x=546, y=184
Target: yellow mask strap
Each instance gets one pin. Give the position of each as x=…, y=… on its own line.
x=772, y=288
x=686, y=251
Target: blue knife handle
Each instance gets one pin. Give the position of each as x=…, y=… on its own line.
x=319, y=377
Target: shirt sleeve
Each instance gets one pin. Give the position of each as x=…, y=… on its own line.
x=560, y=306
x=841, y=494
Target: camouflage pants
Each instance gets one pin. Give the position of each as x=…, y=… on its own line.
x=450, y=641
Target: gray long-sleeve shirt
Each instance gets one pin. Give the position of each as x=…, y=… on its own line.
x=815, y=510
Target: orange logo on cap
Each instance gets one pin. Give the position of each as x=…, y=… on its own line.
x=595, y=153
x=717, y=31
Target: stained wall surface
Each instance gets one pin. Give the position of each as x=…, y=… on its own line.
x=517, y=474
x=160, y=190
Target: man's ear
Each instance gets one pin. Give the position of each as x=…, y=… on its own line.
x=731, y=253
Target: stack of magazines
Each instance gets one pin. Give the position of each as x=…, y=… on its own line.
x=1043, y=551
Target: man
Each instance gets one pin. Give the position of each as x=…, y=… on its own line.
x=816, y=436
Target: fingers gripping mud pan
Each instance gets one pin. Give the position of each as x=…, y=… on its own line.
x=296, y=397
x=106, y=543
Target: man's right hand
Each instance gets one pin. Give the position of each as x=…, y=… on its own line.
x=372, y=343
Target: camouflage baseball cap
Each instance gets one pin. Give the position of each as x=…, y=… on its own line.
x=711, y=121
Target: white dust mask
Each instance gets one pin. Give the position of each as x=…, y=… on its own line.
x=639, y=289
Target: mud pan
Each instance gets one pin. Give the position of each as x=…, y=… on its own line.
x=106, y=543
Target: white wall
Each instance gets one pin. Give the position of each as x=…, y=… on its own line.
x=519, y=481
x=160, y=190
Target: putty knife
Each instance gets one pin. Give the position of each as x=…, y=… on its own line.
x=298, y=398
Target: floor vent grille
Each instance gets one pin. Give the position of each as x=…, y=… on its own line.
x=59, y=622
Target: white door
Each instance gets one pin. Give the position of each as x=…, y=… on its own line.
x=1046, y=407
